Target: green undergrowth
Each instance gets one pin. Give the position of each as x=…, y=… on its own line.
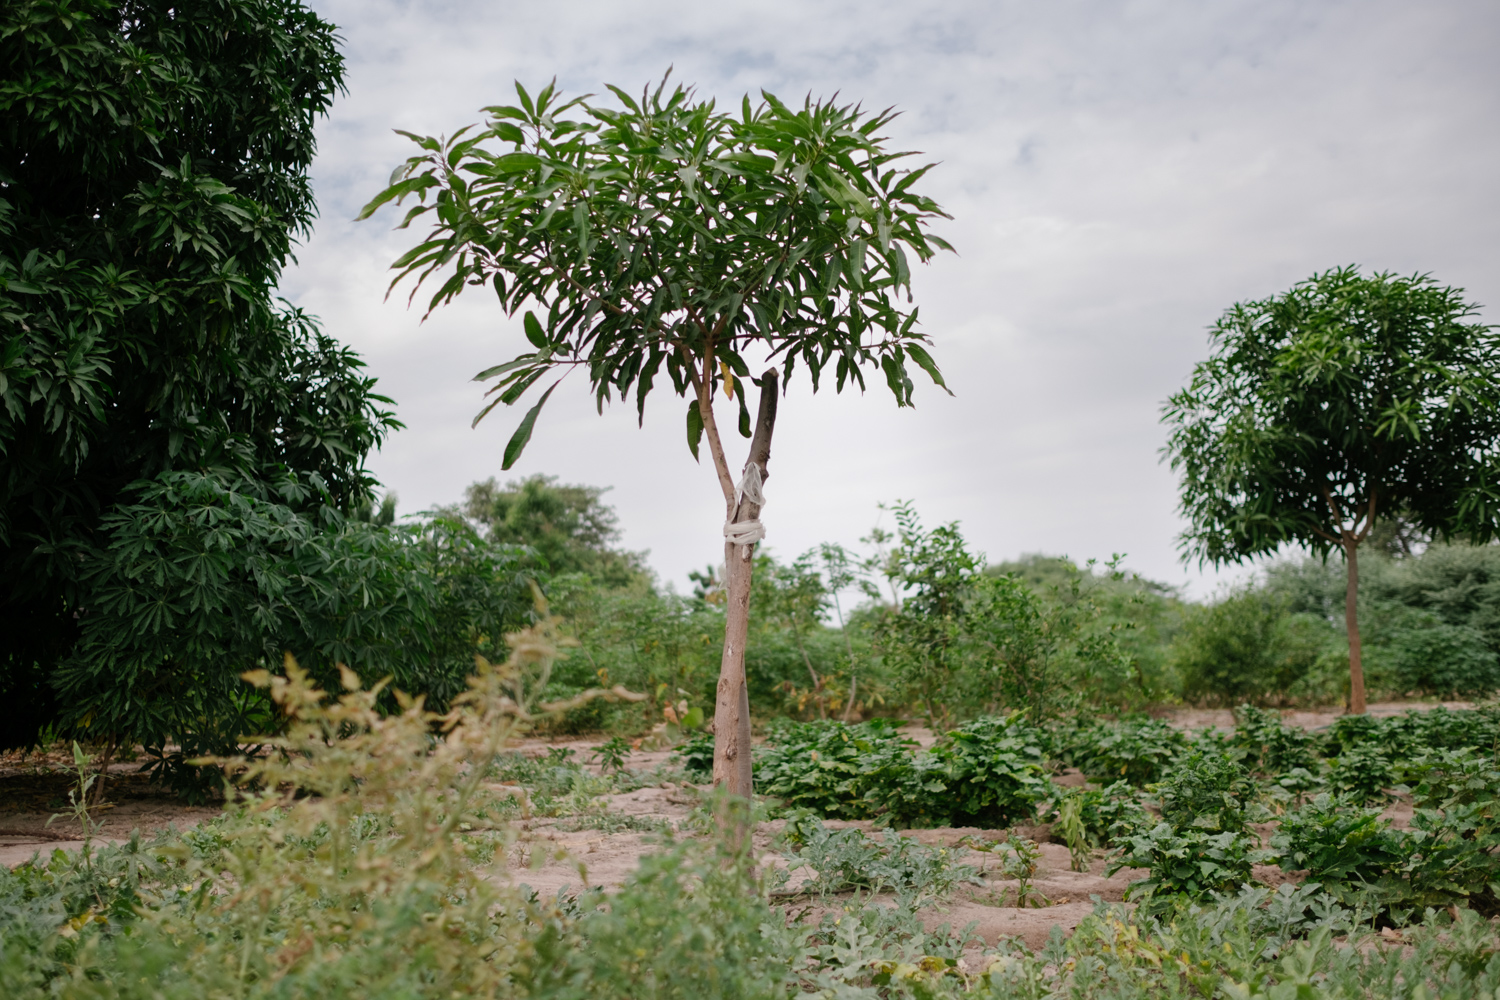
x=366, y=857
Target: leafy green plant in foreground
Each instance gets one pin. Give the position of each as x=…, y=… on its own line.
x=1189, y=864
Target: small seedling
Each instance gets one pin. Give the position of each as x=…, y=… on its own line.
x=611, y=755
x=78, y=797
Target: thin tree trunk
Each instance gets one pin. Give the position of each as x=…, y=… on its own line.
x=1351, y=623
x=732, y=764
x=849, y=648
x=817, y=681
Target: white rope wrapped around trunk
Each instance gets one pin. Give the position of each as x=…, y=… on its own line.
x=747, y=533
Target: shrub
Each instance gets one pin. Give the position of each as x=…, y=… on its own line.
x=1442, y=659
x=1108, y=816
x=1246, y=647
x=1337, y=841
x=992, y=776
x=988, y=772
x=1362, y=772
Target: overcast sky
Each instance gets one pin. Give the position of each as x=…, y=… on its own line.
x=1118, y=174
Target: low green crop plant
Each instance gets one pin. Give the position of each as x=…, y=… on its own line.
x=696, y=756
x=1138, y=751
x=1271, y=747
x=849, y=859
x=829, y=767
x=1188, y=864
x=1362, y=772
x=988, y=773
x=1105, y=816
x=1205, y=789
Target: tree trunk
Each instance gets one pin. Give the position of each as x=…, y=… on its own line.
x=732, y=704
x=1351, y=623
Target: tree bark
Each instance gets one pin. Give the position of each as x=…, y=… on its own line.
x=732, y=764
x=1351, y=624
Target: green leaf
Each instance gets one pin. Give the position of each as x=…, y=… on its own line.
x=519, y=439
x=534, y=331
x=694, y=428
x=520, y=362
x=922, y=358
x=744, y=412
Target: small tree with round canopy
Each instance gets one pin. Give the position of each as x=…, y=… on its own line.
x=663, y=235
x=1339, y=402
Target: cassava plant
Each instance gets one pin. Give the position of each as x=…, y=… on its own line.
x=660, y=234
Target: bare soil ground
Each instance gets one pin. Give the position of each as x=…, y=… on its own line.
x=554, y=853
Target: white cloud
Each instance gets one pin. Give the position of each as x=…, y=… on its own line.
x=1119, y=173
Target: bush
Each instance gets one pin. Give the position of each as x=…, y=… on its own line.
x=1106, y=816
x=988, y=772
x=1362, y=772
x=1443, y=660
x=696, y=755
x=1246, y=647
x=991, y=776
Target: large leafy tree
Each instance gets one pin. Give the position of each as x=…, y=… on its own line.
x=660, y=235
x=569, y=528
x=153, y=175
x=1323, y=409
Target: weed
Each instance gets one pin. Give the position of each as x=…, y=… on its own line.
x=696, y=756
x=848, y=859
x=612, y=754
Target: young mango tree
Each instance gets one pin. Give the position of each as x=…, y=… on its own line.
x=1344, y=400
x=661, y=235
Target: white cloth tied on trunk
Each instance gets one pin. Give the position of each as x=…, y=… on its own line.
x=747, y=533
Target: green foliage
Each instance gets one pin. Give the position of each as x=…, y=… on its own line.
x=1105, y=817
x=570, y=528
x=1342, y=398
x=1190, y=863
x=1337, y=841
x=1362, y=772
x=153, y=175
x=204, y=578
x=1247, y=647
x=968, y=643
x=986, y=773
x=1271, y=747
x=696, y=755
x=992, y=777
x=659, y=233
x=612, y=754
x=848, y=859
x=1207, y=789
x=830, y=768
x=1137, y=751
